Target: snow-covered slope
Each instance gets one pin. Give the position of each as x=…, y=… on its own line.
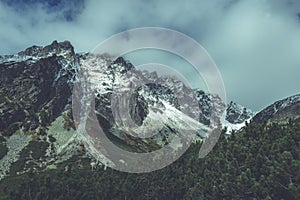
x=153, y=101
x=121, y=76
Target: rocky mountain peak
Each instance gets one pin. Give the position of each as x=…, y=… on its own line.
x=58, y=48
x=237, y=114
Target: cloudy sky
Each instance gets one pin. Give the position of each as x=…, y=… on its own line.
x=255, y=43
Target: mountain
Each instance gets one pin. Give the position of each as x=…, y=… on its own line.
x=42, y=156
x=36, y=106
x=280, y=111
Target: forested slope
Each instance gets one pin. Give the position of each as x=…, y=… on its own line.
x=261, y=161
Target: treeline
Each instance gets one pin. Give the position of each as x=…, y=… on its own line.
x=259, y=162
